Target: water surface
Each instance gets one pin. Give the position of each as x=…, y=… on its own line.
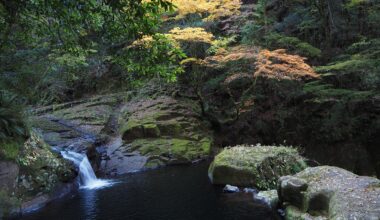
x=183, y=193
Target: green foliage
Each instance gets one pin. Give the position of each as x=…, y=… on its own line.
x=260, y=26
x=42, y=76
x=326, y=91
x=9, y=150
x=61, y=47
x=221, y=44
x=253, y=33
x=11, y=118
x=13, y=129
x=153, y=56
x=72, y=23
x=276, y=40
x=194, y=41
x=250, y=33
x=7, y=203
x=360, y=65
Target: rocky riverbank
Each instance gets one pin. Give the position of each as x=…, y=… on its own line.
x=322, y=192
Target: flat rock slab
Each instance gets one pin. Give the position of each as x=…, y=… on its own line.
x=119, y=162
x=330, y=192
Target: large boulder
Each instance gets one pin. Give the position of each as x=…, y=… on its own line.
x=256, y=166
x=37, y=173
x=157, y=132
x=327, y=192
x=41, y=170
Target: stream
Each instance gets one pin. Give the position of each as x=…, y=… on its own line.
x=181, y=192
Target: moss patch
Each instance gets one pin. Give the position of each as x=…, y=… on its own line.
x=166, y=129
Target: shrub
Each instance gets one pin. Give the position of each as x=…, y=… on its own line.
x=11, y=118
x=280, y=65
x=276, y=40
x=219, y=45
x=250, y=33
x=358, y=68
x=13, y=129
x=194, y=41
x=253, y=33
x=152, y=56
x=208, y=9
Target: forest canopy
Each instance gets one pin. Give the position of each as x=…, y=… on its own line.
x=57, y=43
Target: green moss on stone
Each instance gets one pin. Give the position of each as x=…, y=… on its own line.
x=257, y=166
x=8, y=204
x=151, y=130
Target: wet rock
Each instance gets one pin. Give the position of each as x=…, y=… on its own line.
x=35, y=203
x=269, y=198
x=327, y=192
x=8, y=174
x=250, y=190
x=231, y=189
x=256, y=166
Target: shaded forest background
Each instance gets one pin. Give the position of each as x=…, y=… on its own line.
x=58, y=51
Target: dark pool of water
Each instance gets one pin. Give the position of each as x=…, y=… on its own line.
x=171, y=193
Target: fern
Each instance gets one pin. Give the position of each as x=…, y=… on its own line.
x=12, y=125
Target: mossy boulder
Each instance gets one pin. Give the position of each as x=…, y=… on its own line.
x=255, y=166
x=40, y=169
x=327, y=192
x=165, y=130
x=35, y=172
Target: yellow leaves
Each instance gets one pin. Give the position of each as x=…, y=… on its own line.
x=145, y=41
x=208, y=9
x=177, y=34
x=191, y=34
x=280, y=65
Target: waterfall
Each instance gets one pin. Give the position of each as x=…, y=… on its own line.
x=87, y=175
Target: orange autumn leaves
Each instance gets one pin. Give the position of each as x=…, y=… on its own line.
x=279, y=65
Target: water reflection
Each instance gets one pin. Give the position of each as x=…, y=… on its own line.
x=89, y=202
x=183, y=193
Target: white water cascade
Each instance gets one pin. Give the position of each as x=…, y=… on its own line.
x=87, y=175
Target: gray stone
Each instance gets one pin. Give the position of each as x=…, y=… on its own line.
x=327, y=192
x=269, y=197
x=231, y=189
x=255, y=166
x=8, y=174
x=292, y=190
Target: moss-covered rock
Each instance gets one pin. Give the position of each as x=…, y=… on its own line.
x=327, y=192
x=40, y=169
x=269, y=197
x=9, y=204
x=256, y=166
x=90, y=115
x=35, y=172
x=165, y=130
